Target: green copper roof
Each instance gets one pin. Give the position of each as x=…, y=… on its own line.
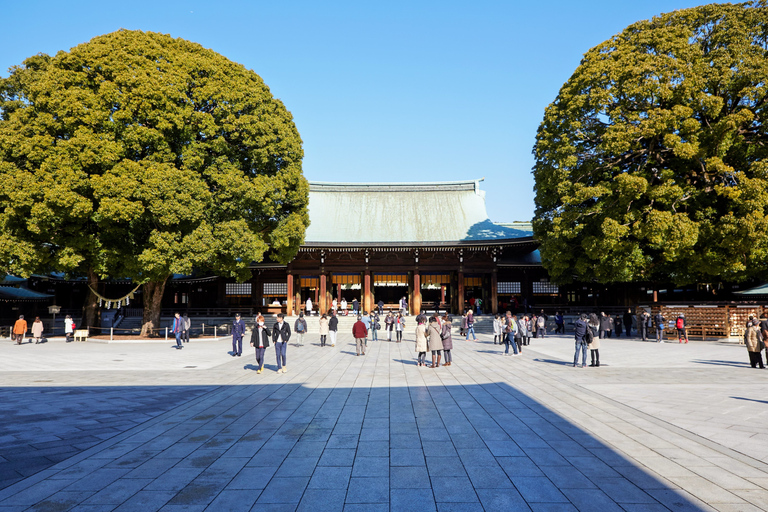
x=452, y=211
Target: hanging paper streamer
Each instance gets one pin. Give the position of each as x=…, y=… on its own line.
x=119, y=302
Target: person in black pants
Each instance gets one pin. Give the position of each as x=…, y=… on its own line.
x=628, y=322
x=260, y=341
x=238, y=330
x=281, y=333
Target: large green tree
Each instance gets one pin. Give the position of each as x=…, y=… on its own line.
x=140, y=155
x=652, y=162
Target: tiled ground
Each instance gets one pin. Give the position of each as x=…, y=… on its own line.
x=644, y=432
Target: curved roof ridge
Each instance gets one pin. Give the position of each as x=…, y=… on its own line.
x=328, y=186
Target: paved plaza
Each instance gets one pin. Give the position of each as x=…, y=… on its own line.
x=141, y=426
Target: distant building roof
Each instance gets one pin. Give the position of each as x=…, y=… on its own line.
x=11, y=294
x=397, y=213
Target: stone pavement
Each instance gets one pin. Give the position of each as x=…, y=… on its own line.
x=145, y=427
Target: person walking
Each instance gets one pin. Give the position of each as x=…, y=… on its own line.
x=308, y=306
x=559, y=323
x=381, y=307
x=421, y=342
x=511, y=334
x=238, y=331
x=260, y=342
x=334, y=305
x=478, y=305
x=344, y=310
x=389, y=325
x=583, y=336
x=333, y=327
x=20, y=329
x=753, y=339
x=300, y=327
x=496, y=330
x=628, y=323
x=187, y=328
x=403, y=307
x=37, y=330
x=646, y=322
x=447, y=340
x=682, y=331
x=399, y=327
x=281, y=333
x=594, y=342
x=375, y=326
x=660, y=321
x=463, y=329
x=360, y=333
x=69, y=328
x=178, y=329
x=435, y=341
x=323, y=329
x=522, y=327
x=367, y=322
x=471, y=326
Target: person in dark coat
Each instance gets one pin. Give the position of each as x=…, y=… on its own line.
x=260, y=341
x=581, y=337
x=381, y=307
x=333, y=327
x=628, y=322
x=238, y=330
x=447, y=340
x=605, y=325
x=281, y=333
x=659, y=320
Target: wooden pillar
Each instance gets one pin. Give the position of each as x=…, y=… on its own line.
x=289, y=305
x=367, y=291
x=297, y=290
x=416, y=293
x=323, y=305
x=461, y=292
x=494, y=292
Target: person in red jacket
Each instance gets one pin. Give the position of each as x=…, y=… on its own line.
x=360, y=333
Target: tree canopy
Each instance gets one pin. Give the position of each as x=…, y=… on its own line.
x=140, y=155
x=652, y=162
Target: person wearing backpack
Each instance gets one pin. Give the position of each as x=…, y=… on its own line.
x=682, y=332
x=300, y=327
x=659, y=320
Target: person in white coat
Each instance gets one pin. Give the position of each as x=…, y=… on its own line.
x=309, y=307
x=69, y=327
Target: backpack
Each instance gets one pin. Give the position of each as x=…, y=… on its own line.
x=680, y=323
x=300, y=327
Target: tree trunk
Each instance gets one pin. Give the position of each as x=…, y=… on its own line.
x=153, y=301
x=90, y=308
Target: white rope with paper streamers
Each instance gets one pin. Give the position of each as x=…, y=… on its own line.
x=125, y=300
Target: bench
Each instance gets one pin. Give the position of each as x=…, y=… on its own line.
x=81, y=335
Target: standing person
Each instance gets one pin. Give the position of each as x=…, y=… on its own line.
x=605, y=325
x=523, y=326
x=399, y=327
x=355, y=306
x=617, y=324
x=69, y=328
x=583, y=335
x=323, y=329
x=403, y=307
x=764, y=333
x=435, y=341
x=559, y=323
x=660, y=321
x=260, y=341
x=333, y=327
x=478, y=305
x=308, y=306
x=497, y=329
x=511, y=333
x=187, y=327
x=344, y=310
x=471, y=326
x=530, y=327
x=389, y=325
x=646, y=322
x=375, y=326
x=594, y=342
x=281, y=333
x=20, y=329
x=37, y=330
x=754, y=341
x=541, y=325
x=300, y=327
x=238, y=331
x=360, y=333
x=421, y=342
x=463, y=329
x=682, y=332
x=367, y=322
x=628, y=323
x=447, y=340
x=610, y=326
x=178, y=329
x=334, y=305
x=533, y=330
x=381, y=307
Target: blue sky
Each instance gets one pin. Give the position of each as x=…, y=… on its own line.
x=380, y=91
